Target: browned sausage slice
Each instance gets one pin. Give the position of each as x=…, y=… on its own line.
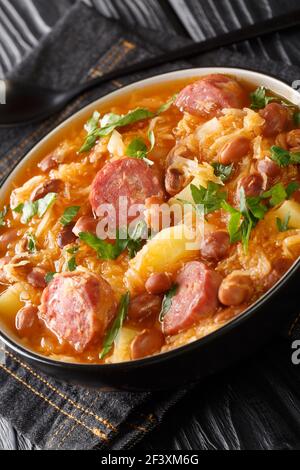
x=129, y=178
x=78, y=307
x=197, y=296
x=208, y=96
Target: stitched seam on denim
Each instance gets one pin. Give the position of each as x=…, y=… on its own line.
x=62, y=395
x=94, y=431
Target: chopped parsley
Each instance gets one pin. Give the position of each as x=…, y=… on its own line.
x=49, y=277
x=69, y=215
x=31, y=243
x=167, y=302
x=30, y=209
x=283, y=225
x=224, y=172
x=260, y=99
x=112, y=121
x=138, y=148
x=116, y=327
x=209, y=198
x=283, y=157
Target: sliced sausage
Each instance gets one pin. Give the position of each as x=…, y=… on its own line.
x=234, y=151
x=37, y=278
x=276, y=117
x=147, y=343
x=144, y=306
x=26, y=319
x=235, y=289
x=85, y=224
x=252, y=184
x=51, y=186
x=78, y=308
x=215, y=246
x=66, y=236
x=130, y=179
x=196, y=297
x=208, y=96
x=158, y=283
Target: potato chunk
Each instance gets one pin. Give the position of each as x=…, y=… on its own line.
x=10, y=302
x=166, y=252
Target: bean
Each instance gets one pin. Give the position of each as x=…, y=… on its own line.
x=268, y=167
x=37, y=278
x=48, y=163
x=158, y=283
x=85, y=224
x=8, y=237
x=147, y=343
x=51, y=186
x=215, y=246
x=281, y=140
x=252, y=184
x=66, y=236
x=234, y=151
x=26, y=318
x=293, y=138
x=174, y=181
x=235, y=289
x=143, y=306
x=276, y=117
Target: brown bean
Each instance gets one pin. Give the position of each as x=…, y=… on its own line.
x=174, y=181
x=234, y=151
x=296, y=196
x=37, y=278
x=158, y=283
x=235, y=289
x=66, y=236
x=48, y=163
x=252, y=184
x=276, y=117
x=268, y=167
x=147, y=343
x=215, y=246
x=51, y=186
x=143, y=306
x=8, y=237
x=26, y=318
x=85, y=224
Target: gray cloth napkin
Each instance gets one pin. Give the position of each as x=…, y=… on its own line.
x=54, y=415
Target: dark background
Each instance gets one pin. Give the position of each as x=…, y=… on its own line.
x=255, y=405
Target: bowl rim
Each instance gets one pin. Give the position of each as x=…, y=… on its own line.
x=178, y=351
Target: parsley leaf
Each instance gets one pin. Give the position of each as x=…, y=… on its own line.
x=167, y=302
x=112, y=121
x=259, y=99
x=69, y=214
x=31, y=243
x=3, y=214
x=291, y=188
x=138, y=148
x=72, y=265
x=279, y=193
x=283, y=157
x=296, y=118
x=116, y=327
x=224, y=172
x=49, y=277
x=109, y=251
x=30, y=209
x=210, y=198
x=283, y=226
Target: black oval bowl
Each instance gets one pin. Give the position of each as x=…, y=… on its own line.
x=239, y=338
